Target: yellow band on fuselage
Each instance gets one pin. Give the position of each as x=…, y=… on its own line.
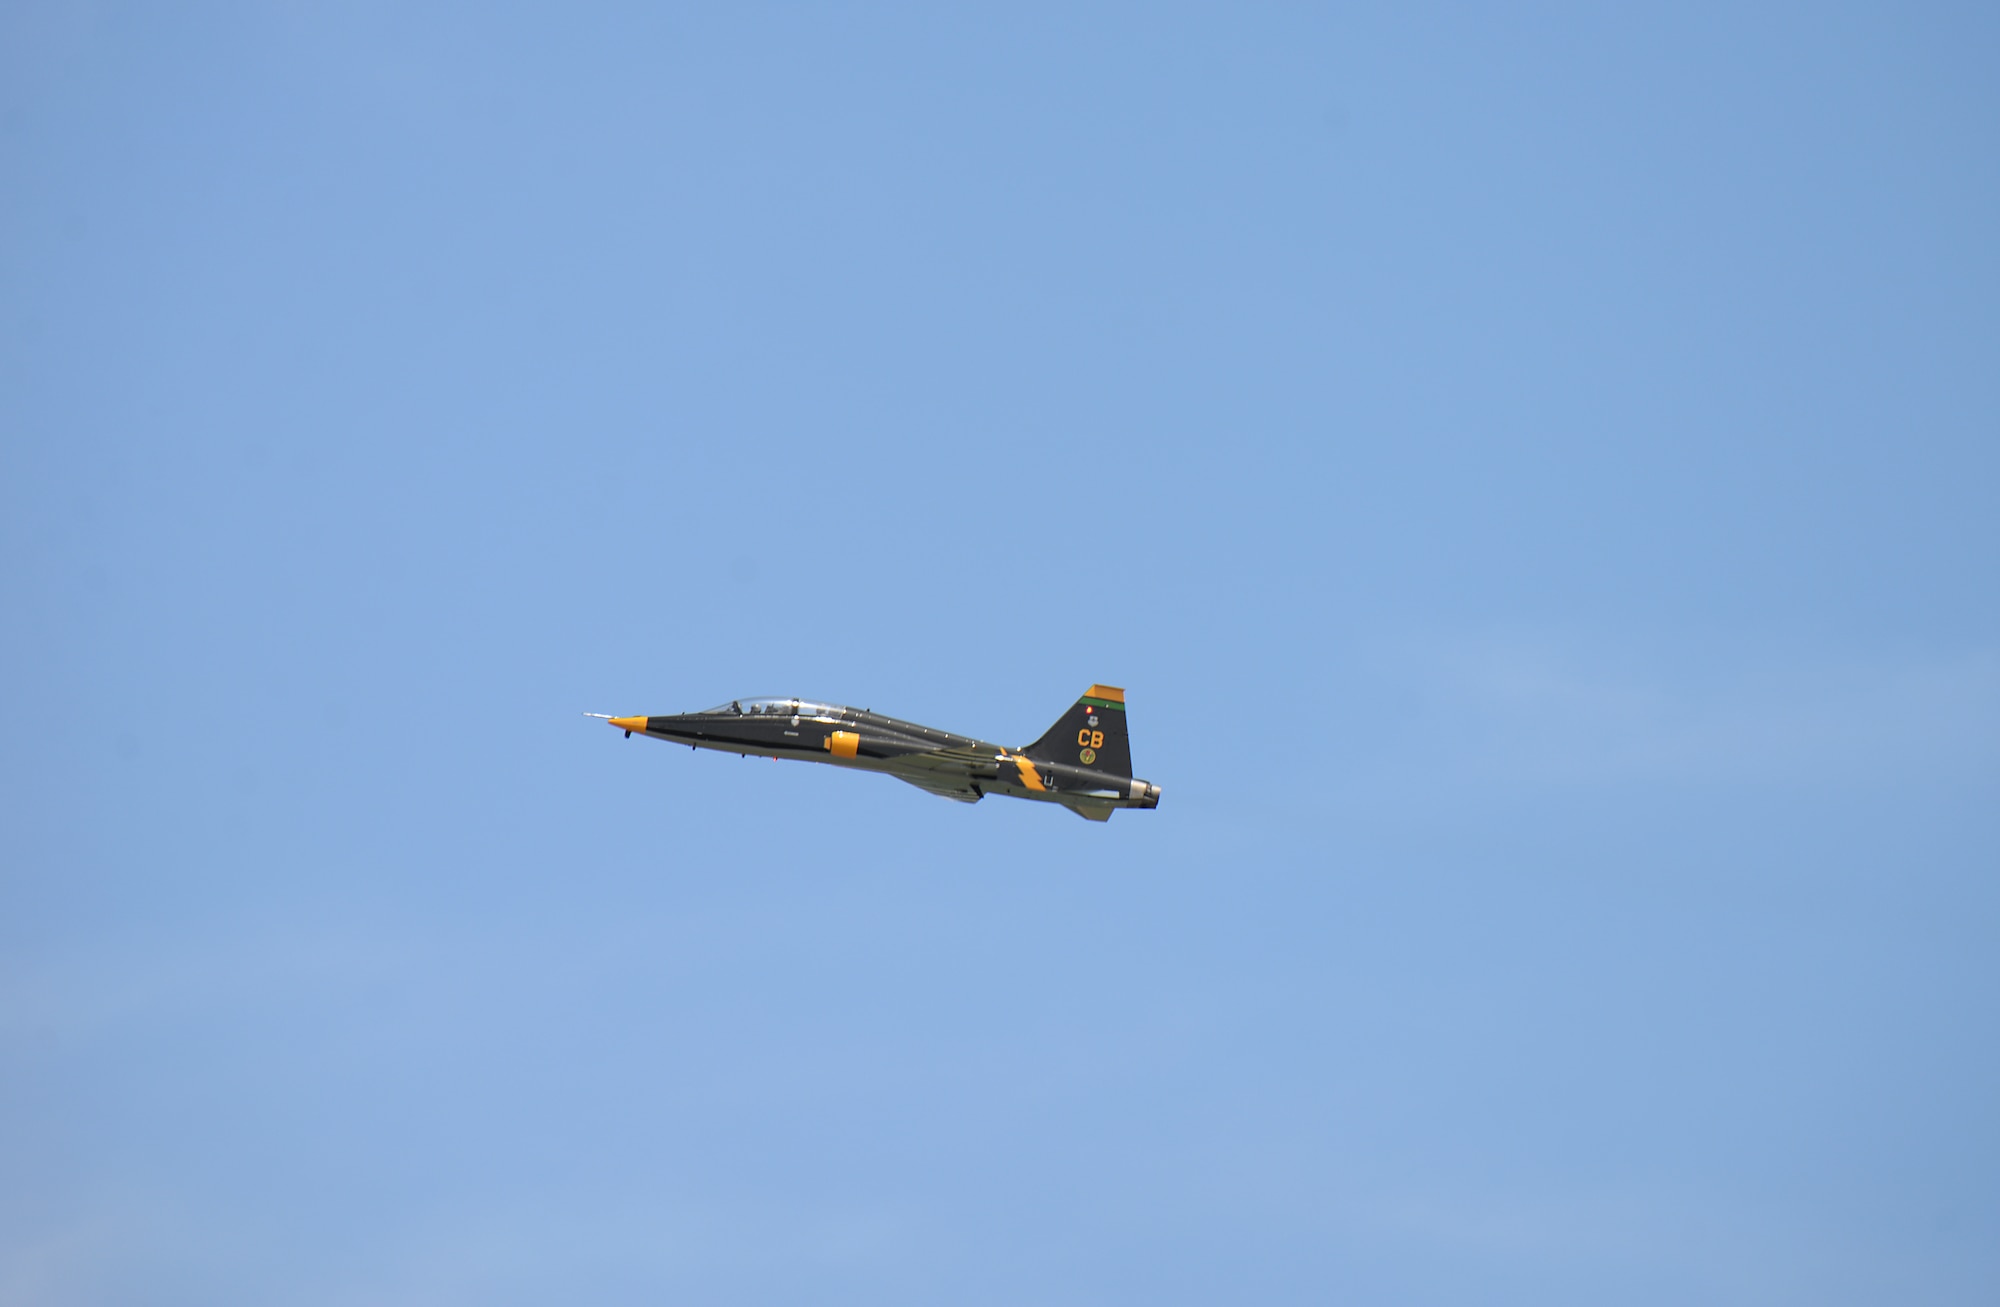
x=1029, y=776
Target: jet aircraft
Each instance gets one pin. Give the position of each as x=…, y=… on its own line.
x=1083, y=762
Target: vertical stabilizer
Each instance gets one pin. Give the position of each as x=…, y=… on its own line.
x=1091, y=734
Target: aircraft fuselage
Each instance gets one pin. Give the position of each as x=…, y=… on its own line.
x=951, y=765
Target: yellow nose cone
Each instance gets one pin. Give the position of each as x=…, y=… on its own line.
x=629, y=723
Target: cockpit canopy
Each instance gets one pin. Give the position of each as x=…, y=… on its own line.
x=775, y=708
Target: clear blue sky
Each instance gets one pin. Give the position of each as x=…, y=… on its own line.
x=1537, y=473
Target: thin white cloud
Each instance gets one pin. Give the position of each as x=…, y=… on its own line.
x=1541, y=711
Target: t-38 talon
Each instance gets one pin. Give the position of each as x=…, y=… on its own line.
x=1083, y=762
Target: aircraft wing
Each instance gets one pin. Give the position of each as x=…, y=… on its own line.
x=944, y=786
x=952, y=773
